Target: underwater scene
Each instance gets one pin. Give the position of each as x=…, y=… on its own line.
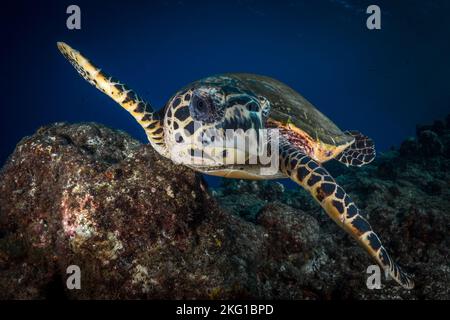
x=225, y=150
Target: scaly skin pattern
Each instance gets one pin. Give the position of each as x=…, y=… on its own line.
x=359, y=153
x=237, y=102
x=124, y=96
x=202, y=144
x=338, y=205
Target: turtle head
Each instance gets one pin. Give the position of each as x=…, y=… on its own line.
x=199, y=122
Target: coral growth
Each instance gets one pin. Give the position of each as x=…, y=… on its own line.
x=405, y=195
x=139, y=226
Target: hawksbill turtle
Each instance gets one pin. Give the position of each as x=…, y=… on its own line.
x=306, y=139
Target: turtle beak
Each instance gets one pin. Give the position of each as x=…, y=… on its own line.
x=242, y=120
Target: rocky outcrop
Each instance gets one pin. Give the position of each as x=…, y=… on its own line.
x=136, y=225
x=139, y=226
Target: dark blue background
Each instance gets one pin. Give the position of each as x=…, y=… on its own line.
x=380, y=82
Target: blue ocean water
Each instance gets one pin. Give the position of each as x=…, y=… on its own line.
x=381, y=82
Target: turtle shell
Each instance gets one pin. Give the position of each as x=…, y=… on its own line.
x=288, y=106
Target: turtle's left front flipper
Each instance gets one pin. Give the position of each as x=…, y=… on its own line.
x=124, y=96
x=313, y=177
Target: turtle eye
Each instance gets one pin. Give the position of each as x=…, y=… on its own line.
x=202, y=108
x=200, y=104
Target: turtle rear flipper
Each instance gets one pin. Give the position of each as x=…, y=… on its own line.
x=338, y=205
x=127, y=98
x=359, y=153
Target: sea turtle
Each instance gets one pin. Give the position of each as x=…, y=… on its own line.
x=306, y=138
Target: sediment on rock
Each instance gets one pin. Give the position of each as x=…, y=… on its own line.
x=139, y=226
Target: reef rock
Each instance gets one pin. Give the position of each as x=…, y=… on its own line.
x=405, y=195
x=139, y=226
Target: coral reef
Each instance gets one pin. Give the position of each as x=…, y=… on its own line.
x=405, y=195
x=139, y=226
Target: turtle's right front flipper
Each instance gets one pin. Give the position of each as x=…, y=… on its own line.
x=359, y=153
x=338, y=205
x=127, y=98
